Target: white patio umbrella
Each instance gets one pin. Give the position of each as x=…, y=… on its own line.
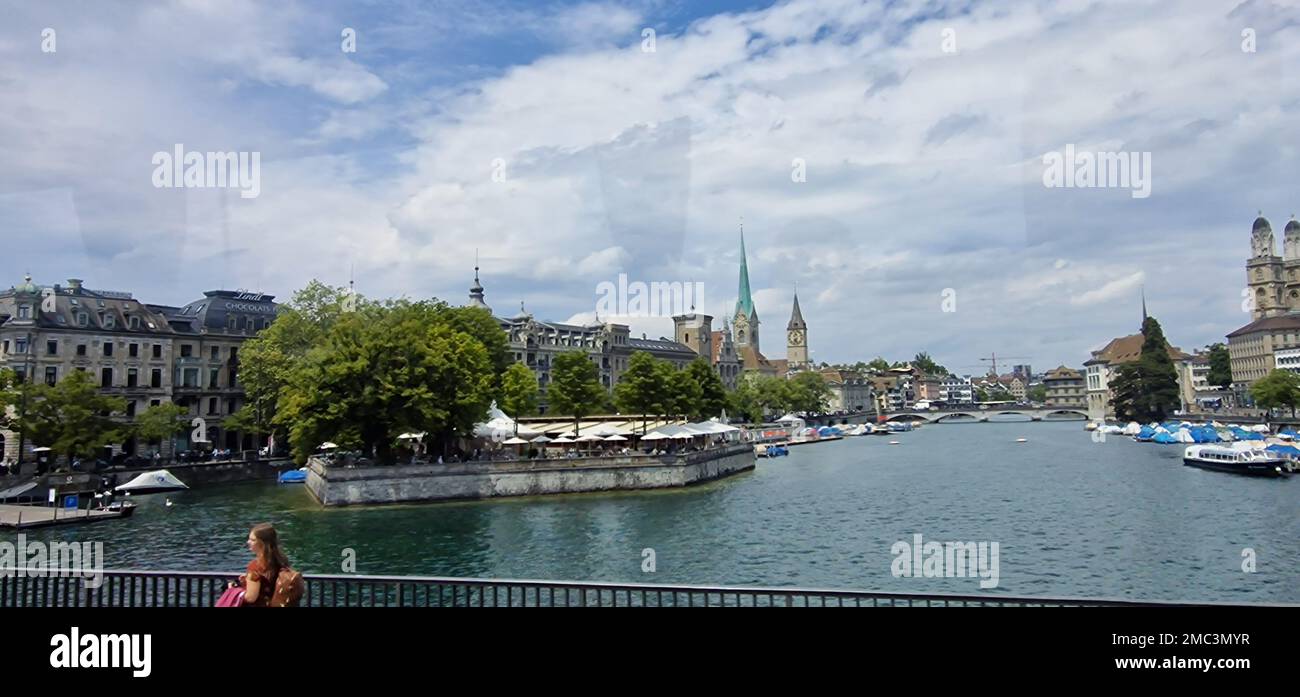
x=655, y=435
x=614, y=437
x=563, y=439
x=515, y=441
x=541, y=439
x=588, y=438
x=327, y=446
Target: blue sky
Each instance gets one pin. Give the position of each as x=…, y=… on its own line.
x=923, y=163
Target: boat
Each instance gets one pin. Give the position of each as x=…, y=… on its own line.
x=879, y=430
x=771, y=450
x=297, y=476
x=153, y=482
x=1257, y=463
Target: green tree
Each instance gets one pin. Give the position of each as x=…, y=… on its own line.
x=1037, y=393
x=71, y=417
x=744, y=402
x=158, y=423
x=774, y=393
x=519, y=391
x=480, y=324
x=1147, y=389
x=685, y=393
x=878, y=364
x=713, y=394
x=808, y=392
x=1278, y=389
x=575, y=388
x=927, y=365
x=267, y=360
x=383, y=370
x=642, y=388
x=1220, y=374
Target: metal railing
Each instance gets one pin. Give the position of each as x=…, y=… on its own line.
x=202, y=588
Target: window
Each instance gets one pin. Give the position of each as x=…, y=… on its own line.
x=52, y=347
x=83, y=319
x=186, y=350
x=234, y=353
x=190, y=377
x=130, y=408
x=24, y=312
x=51, y=375
x=216, y=353
x=106, y=377
x=133, y=350
x=134, y=322
x=212, y=405
x=20, y=374
x=213, y=377
x=155, y=402
x=20, y=346
x=81, y=349
x=132, y=377
x=109, y=321
x=155, y=377
x=157, y=350
x=108, y=349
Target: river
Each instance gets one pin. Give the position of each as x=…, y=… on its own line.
x=1071, y=516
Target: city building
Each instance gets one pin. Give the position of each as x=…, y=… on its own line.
x=1024, y=372
x=725, y=359
x=796, y=337
x=146, y=354
x=1252, y=350
x=1065, y=388
x=1274, y=286
x=850, y=391
x=1287, y=359
x=956, y=390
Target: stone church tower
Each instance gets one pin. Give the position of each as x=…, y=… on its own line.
x=745, y=319
x=1273, y=281
x=796, y=338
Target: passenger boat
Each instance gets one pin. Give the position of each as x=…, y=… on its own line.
x=1256, y=463
x=771, y=449
x=153, y=482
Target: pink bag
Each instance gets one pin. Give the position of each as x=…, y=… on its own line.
x=233, y=597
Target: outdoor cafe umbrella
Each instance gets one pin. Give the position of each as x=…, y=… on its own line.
x=614, y=437
x=541, y=439
x=327, y=446
x=515, y=441
x=562, y=439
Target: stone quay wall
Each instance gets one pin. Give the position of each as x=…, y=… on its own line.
x=336, y=485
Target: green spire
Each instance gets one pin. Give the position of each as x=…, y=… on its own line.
x=744, y=303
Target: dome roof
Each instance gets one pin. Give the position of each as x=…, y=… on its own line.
x=1293, y=225
x=26, y=286
x=1261, y=224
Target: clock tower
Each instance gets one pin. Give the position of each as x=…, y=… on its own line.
x=745, y=318
x=796, y=338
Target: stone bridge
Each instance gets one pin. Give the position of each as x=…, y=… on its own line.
x=991, y=414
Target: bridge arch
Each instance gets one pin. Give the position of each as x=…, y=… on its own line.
x=907, y=416
x=957, y=416
x=1064, y=415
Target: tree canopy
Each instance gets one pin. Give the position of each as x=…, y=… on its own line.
x=72, y=418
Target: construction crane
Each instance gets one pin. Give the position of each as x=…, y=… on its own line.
x=993, y=358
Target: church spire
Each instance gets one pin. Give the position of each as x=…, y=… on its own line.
x=1144, y=306
x=744, y=302
x=796, y=317
x=476, y=290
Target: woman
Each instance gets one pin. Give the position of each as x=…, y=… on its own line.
x=269, y=559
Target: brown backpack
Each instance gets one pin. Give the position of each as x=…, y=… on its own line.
x=289, y=588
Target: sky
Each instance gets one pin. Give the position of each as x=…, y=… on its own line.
x=888, y=159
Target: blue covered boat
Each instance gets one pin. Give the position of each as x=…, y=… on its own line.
x=297, y=476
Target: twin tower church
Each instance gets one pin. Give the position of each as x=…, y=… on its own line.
x=739, y=340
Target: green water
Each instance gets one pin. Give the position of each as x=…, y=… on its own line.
x=1071, y=517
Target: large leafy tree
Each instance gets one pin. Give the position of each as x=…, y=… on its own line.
x=72, y=417
x=1220, y=374
x=268, y=360
x=774, y=393
x=686, y=393
x=157, y=423
x=575, y=388
x=878, y=364
x=642, y=389
x=927, y=365
x=713, y=394
x=480, y=324
x=383, y=370
x=519, y=391
x=1278, y=389
x=808, y=392
x=744, y=401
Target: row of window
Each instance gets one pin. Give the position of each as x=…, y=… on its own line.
x=107, y=348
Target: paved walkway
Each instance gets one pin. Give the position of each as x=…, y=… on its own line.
x=12, y=516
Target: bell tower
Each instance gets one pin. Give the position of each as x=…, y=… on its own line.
x=796, y=337
x=1264, y=272
x=745, y=318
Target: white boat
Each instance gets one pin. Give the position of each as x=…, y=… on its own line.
x=152, y=483
x=1249, y=461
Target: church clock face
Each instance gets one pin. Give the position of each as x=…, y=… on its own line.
x=795, y=338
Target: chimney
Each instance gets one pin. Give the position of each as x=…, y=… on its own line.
x=74, y=284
